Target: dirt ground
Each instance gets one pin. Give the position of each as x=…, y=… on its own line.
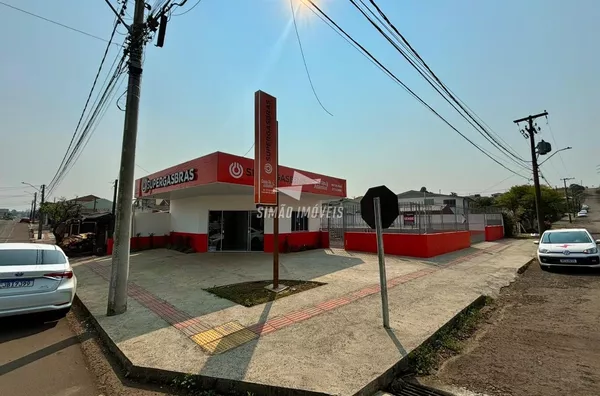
x=543, y=337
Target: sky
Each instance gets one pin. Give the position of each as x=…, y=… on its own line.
x=504, y=59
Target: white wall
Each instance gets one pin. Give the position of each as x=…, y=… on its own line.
x=191, y=214
x=155, y=223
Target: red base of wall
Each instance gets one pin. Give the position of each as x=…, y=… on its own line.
x=297, y=241
x=411, y=245
x=493, y=233
x=290, y=242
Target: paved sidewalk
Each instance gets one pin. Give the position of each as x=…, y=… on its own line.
x=327, y=340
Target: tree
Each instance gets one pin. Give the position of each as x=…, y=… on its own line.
x=59, y=214
x=482, y=202
x=519, y=201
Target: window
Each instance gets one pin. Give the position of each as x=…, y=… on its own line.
x=566, y=237
x=450, y=202
x=30, y=257
x=299, y=221
x=428, y=201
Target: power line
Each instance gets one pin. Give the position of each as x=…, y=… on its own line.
x=406, y=88
x=189, y=9
x=56, y=23
x=304, y=59
x=87, y=101
x=554, y=141
x=432, y=78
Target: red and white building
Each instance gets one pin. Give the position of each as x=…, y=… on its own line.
x=212, y=207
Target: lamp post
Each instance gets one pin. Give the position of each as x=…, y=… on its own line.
x=42, y=193
x=554, y=153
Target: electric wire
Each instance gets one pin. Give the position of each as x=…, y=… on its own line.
x=444, y=87
x=312, y=87
x=55, y=22
x=410, y=91
x=432, y=80
x=189, y=9
x=554, y=141
x=87, y=100
x=91, y=125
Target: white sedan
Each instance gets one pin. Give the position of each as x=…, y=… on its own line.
x=35, y=278
x=582, y=214
x=568, y=247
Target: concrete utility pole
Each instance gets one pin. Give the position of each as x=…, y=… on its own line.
x=567, y=196
x=536, y=179
x=34, y=205
x=40, y=216
x=117, y=294
x=114, y=203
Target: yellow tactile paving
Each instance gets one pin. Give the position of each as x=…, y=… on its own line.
x=229, y=328
x=216, y=333
x=206, y=336
x=229, y=342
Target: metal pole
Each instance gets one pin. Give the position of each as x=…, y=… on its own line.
x=117, y=293
x=276, y=246
x=40, y=216
x=381, y=257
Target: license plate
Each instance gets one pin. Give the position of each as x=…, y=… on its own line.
x=13, y=284
x=568, y=261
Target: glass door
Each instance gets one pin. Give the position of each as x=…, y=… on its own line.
x=215, y=231
x=256, y=232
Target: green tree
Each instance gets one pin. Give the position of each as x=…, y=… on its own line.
x=59, y=214
x=482, y=202
x=519, y=201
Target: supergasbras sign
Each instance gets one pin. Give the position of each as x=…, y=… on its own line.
x=168, y=180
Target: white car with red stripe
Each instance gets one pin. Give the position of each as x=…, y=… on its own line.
x=35, y=278
x=573, y=247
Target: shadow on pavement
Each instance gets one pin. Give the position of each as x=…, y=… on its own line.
x=14, y=328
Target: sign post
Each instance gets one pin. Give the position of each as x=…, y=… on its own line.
x=381, y=257
x=379, y=209
x=266, y=167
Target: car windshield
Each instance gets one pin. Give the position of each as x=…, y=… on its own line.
x=30, y=257
x=566, y=237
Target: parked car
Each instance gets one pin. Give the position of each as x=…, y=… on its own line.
x=568, y=247
x=35, y=278
x=582, y=214
x=25, y=220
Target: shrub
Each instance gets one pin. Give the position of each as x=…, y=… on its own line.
x=509, y=225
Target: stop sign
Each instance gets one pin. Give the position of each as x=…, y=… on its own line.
x=389, y=206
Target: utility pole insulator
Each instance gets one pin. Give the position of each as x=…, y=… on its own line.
x=162, y=29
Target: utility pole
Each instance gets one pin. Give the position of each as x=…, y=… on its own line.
x=34, y=204
x=40, y=216
x=114, y=203
x=530, y=129
x=117, y=294
x=32, y=208
x=567, y=196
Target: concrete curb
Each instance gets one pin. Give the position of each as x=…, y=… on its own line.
x=386, y=379
x=524, y=267
x=158, y=376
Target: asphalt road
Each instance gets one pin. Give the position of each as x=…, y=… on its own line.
x=40, y=359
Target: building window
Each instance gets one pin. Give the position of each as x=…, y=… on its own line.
x=450, y=202
x=428, y=201
x=299, y=221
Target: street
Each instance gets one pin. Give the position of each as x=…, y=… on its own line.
x=40, y=359
x=541, y=337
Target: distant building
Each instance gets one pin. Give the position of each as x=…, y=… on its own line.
x=435, y=200
x=93, y=204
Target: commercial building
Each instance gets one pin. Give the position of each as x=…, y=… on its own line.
x=212, y=207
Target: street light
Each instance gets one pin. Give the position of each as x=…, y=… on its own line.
x=31, y=185
x=554, y=153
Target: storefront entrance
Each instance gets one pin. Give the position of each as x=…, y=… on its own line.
x=235, y=231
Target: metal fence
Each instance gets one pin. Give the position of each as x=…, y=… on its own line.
x=415, y=218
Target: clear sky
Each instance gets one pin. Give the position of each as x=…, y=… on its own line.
x=505, y=59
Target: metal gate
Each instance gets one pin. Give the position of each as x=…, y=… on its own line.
x=334, y=225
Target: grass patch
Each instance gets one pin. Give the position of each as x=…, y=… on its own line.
x=448, y=341
x=250, y=294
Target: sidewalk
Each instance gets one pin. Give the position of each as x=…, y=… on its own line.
x=331, y=343
x=47, y=236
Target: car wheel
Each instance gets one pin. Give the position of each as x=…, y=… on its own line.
x=56, y=315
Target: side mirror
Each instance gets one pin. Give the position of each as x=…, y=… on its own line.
x=538, y=242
